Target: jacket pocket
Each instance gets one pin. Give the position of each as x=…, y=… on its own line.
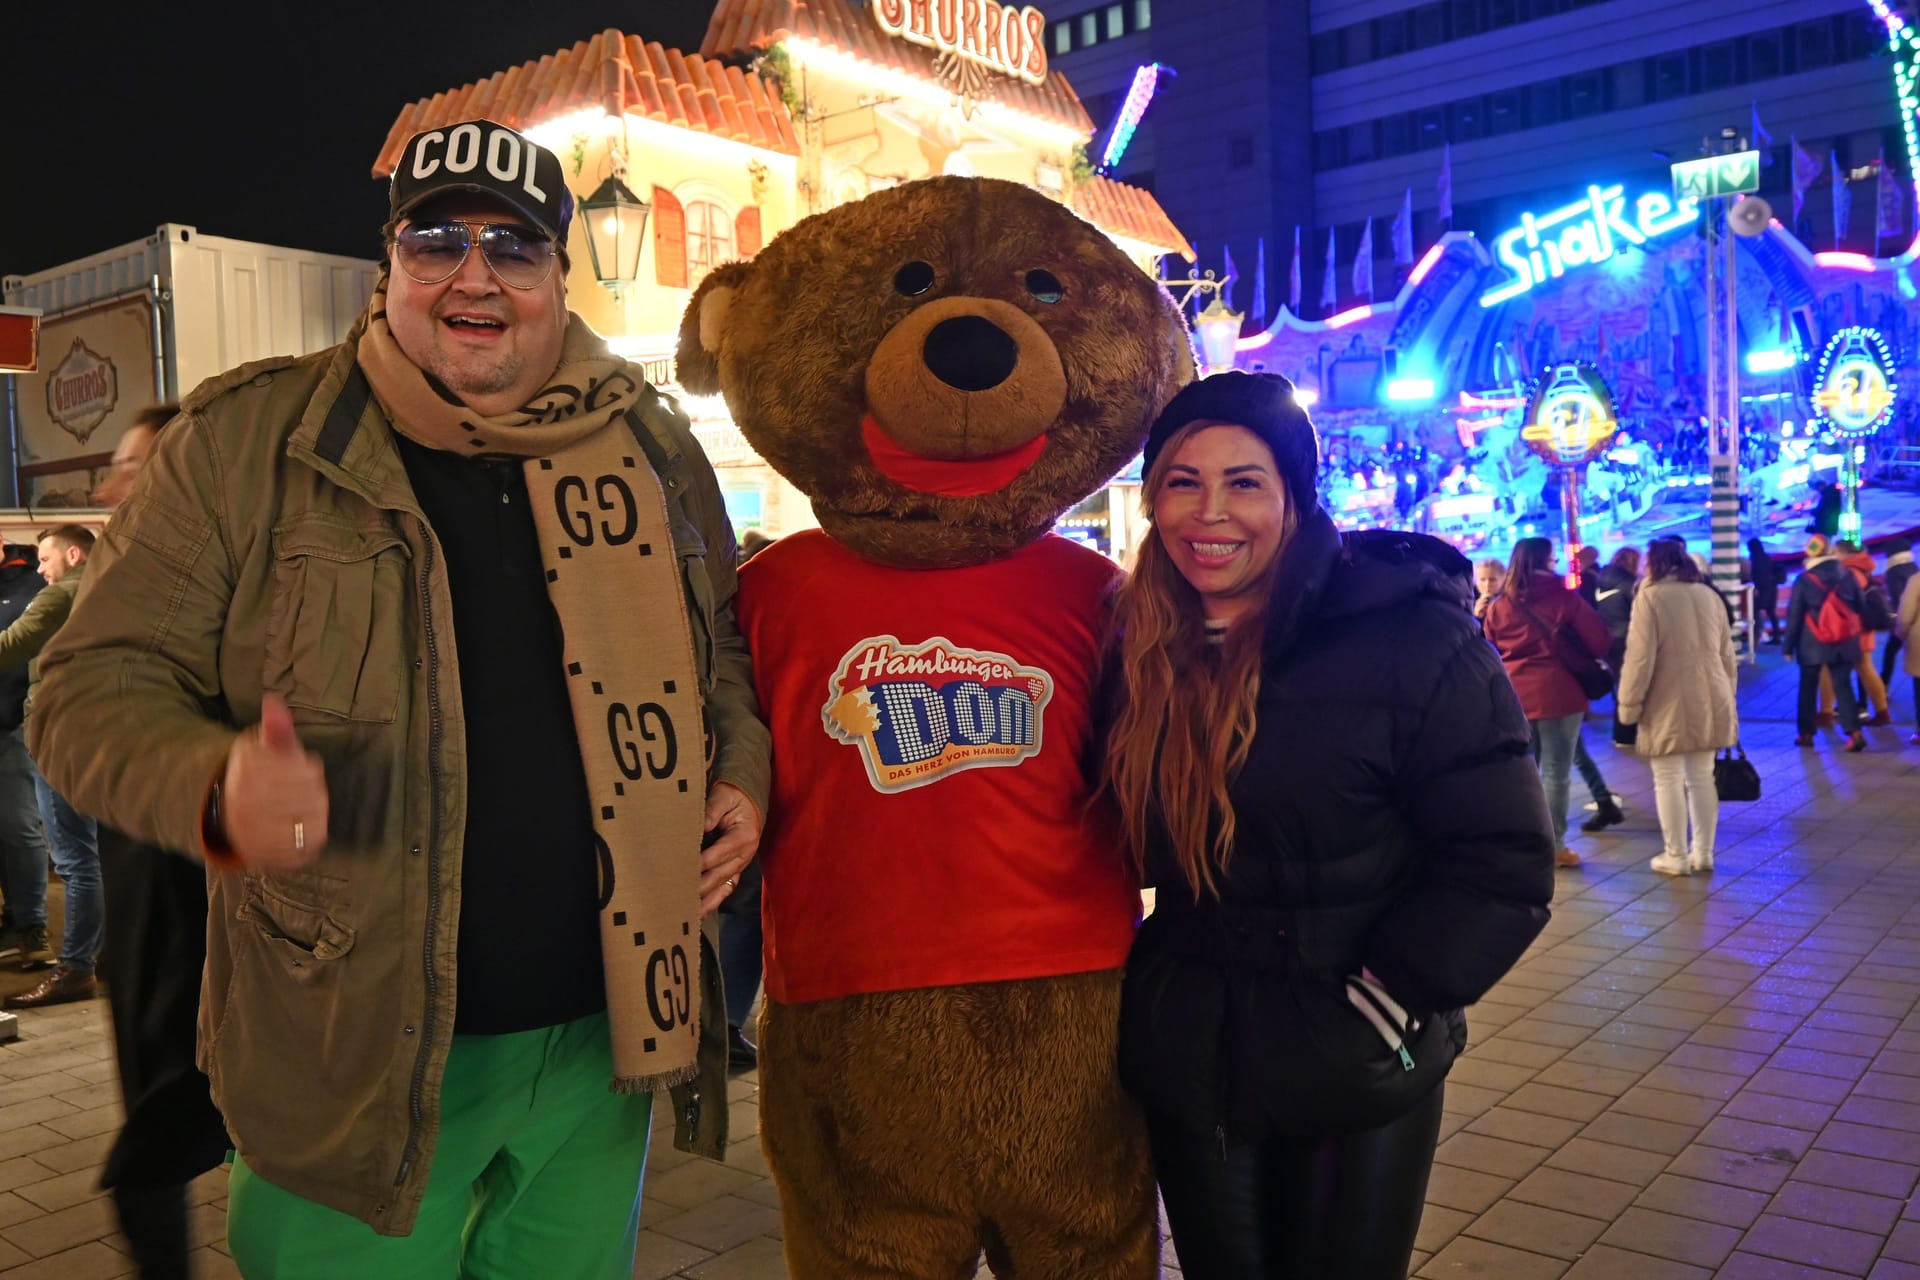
x=336, y=630
x=304, y=939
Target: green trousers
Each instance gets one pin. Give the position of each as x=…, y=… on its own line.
x=537, y=1174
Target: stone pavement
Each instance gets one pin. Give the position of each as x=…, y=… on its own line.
x=1683, y=1078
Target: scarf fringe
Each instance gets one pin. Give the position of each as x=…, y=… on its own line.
x=657, y=1081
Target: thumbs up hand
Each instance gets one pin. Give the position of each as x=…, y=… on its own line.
x=273, y=796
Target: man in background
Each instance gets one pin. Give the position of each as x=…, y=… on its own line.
x=71, y=835
x=23, y=846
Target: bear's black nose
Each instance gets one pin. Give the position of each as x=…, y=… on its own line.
x=971, y=353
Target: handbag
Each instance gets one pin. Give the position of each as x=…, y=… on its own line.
x=1734, y=777
x=1589, y=672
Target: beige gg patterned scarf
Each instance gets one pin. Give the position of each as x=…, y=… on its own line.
x=614, y=581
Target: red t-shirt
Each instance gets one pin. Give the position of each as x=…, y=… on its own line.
x=932, y=736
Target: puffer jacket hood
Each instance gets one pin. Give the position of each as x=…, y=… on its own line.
x=1323, y=574
x=1386, y=567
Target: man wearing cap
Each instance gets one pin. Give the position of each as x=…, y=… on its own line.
x=426, y=644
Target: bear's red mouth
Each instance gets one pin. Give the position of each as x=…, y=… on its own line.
x=967, y=479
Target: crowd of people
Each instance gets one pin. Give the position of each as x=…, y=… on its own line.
x=1664, y=640
x=1344, y=775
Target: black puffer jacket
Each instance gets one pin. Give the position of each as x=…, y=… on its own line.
x=1614, y=601
x=1388, y=817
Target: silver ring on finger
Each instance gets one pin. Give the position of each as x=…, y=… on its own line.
x=299, y=837
x=733, y=882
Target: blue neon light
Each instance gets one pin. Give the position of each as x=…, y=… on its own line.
x=1775, y=361
x=1586, y=232
x=1139, y=95
x=1410, y=389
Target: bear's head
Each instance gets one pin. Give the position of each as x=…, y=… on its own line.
x=943, y=367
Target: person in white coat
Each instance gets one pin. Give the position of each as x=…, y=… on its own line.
x=1678, y=686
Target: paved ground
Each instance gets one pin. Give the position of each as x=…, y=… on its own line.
x=1682, y=1079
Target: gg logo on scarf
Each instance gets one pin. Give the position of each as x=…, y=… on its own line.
x=921, y=713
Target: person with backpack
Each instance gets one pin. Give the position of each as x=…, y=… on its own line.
x=1541, y=629
x=1899, y=570
x=1876, y=617
x=1823, y=636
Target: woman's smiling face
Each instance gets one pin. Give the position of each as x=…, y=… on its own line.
x=1221, y=515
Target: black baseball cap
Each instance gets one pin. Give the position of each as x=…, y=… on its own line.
x=485, y=157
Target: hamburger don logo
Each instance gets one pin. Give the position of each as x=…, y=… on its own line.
x=918, y=713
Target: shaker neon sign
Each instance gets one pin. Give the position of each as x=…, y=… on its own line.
x=1586, y=232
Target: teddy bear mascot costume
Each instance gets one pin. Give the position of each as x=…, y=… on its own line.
x=943, y=368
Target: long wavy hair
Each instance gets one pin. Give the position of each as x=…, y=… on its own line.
x=1187, y=715
x=1530, y=556
x=1669, y=560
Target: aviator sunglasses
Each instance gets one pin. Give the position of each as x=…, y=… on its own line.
x=430, y=252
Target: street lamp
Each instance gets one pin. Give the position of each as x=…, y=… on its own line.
x=1219, y=331
x=616, y=224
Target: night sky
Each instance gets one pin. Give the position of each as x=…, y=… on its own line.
x=254, y=121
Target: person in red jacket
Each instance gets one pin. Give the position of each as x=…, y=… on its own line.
x=1535, y=603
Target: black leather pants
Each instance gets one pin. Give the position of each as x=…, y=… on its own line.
x=1344, y=1206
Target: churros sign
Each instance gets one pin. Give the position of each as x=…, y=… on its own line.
x=1005, y=38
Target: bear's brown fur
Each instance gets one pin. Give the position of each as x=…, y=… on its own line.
x=949, y=329
x=791, y=337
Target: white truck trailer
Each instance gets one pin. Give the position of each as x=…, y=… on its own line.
x=147, y=322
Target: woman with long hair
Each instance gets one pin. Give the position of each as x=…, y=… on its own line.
x=1535, y=619
x=1677, y=686
x=1322, y=771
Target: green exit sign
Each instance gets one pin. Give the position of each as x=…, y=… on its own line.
x=1703, y=179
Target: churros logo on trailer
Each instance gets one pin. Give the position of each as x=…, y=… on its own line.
x=922, y=712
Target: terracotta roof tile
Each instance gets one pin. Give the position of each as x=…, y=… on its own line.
x=741, y=28
x=618, y=74
x=1123, y=210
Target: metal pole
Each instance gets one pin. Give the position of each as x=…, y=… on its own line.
x=1724, y=431
x=156, y=297
x=13, y=440
x=1570, y=480
x=1850, y=450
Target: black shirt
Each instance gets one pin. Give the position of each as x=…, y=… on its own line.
x=529, y=920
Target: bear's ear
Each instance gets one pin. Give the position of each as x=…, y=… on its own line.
x=697, y=360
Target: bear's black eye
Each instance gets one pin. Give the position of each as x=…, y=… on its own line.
x=1045, y=286
x=913, y=279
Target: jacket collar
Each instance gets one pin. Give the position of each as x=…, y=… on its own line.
x=345, y=435
x=1300, y=579
x=1899, y=557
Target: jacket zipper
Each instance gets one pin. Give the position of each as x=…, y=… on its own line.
x=416, y=1110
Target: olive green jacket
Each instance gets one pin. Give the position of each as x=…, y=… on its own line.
x=273, y=544
x=44, y=615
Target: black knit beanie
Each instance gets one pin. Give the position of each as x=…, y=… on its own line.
x=1263, y=403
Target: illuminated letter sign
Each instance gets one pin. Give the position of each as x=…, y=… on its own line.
x=1588, y=231
x=1854, y=391
x=1003, y=37
x=1569, y=417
